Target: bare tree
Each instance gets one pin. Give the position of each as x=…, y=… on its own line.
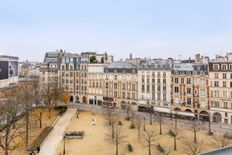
x=52, y=95
x=9, y=132
x=132, y=126
x=175, y=134
x=138, y=124
x=191, y=147
x=196, y=126
x=149, y=139
x=160, y=116
x=114, y=119
x=128, y=111
x=119, y=138
x=26, y=99
x=151, y=114
x=109, y=112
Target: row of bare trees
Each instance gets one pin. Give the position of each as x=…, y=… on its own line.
x=117, y=134
x=19, y=103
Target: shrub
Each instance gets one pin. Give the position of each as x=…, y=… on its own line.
x=119, y=122
x=61, y=109
x=228, y=135
x=160, y=148
x=127, y=118
x=74, y=133
x=171, y=133
x=132, y=126
x=130, y=148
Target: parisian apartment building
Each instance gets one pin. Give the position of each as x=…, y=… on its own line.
x=201, y=85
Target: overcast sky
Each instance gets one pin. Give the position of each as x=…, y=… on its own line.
x=145, y=28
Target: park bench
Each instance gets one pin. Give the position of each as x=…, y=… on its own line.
x=36, y=144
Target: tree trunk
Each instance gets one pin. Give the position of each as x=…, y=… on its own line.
x=149, y=149
x=6, y=140
x=27, y=129
x=49, y=113
x=150, y=118
x=116, y=149
x=144, y=125
x=195, y=135
x=210, y=126
x=175, y=149
x=139, y=129
x=40, y=119
x=175, y=122
x=112, y=125
x=160, y=123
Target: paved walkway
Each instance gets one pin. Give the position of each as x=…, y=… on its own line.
x=53, y=140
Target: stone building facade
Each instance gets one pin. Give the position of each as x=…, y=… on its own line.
x=220, y=85
x=190, y=88
x=154, y=82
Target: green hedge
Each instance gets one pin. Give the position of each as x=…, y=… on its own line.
x=129, y=147
x=61, y=109
x=160, y=148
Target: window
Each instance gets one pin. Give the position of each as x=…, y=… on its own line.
x=148, y=79
x=216, y=75
x=216, y=93
x=230, y=84
x=164, y=81
x=189, y=101
x=188, y=81
x=225, y=94
x=124, y=95
x=115, y=85
x=216, y=84
x=202, y=82
x=176, y=80
x=224, y=75
x=216, y=67
x=148, y=88
x=133, y=95
x=230, y=66
x=224, y=83
x=176, y=90
x=115, y=94
x=128, y=95
x=107, y=85
x=133, y=87
x=123, y=86
x=143, y=79
x=182, y=80
x=188, y=90
x=143, y=88
x=164, y=97
x=224, y=67
x=225, y=105
x=230, y=76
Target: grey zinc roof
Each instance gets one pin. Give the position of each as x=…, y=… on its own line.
x=183, y=66
x=121, y=64
x=222, y=151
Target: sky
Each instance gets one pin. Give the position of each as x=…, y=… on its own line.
x=145, y=28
